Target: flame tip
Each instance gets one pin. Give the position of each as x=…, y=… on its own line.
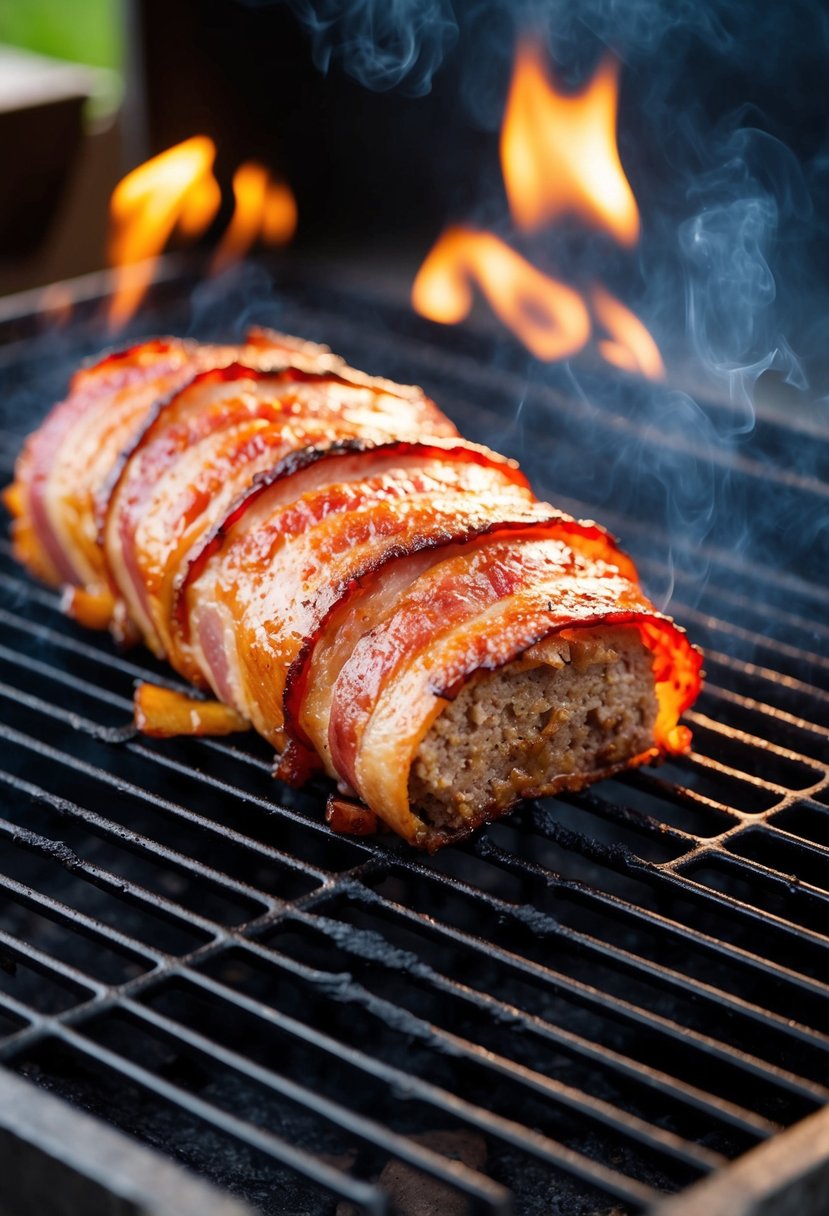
x=559, y=157
x=178, y=191
x=558, y=150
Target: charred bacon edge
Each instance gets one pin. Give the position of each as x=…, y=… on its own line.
x=280, y=372
x=667, y=631
x=435, y=447
x=160, y=345
x=43, y=446
x=557, y=525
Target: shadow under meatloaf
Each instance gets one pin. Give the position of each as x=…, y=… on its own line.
x=573, y=708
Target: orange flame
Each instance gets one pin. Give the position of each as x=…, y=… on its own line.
x=558, y=156
x=550, y=318
x=559, y=153
x=630, y=346
x=177, y=191
x=263, y=208
x=176, y=187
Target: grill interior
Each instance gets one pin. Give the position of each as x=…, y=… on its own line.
x=605, y=998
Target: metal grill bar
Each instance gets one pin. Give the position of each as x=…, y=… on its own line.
x=672, y=980
x=473, y=1184
x=599, y=992
x=16, y=1009
x=110, y=882
x=714, y=1108
x=521, y=1137
x=623, y=1009
x=787, y=1175
x=124, y=787
x=50, y=965
x=624, y=1124
x=781, y=650
x=706, y=897
x=99, y=1170
x=305, y=1163
x=607, y=901
x=109, y=830
x=89, y=926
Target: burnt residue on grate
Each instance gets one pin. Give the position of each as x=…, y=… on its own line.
x=601, y=999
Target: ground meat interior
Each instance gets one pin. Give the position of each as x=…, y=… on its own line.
x=573, y=707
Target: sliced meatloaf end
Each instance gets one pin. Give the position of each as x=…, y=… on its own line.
x=579, y=705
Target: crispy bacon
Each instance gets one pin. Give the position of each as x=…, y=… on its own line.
x=201, y=448
x=67, y=462
x=476, y=611
x=286, y=563
x=349, y=818
x=318, y=547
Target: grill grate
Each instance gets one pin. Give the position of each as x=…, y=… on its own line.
x=605, y=998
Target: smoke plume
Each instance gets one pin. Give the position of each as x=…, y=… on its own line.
x=383, y=44
x=723, y=136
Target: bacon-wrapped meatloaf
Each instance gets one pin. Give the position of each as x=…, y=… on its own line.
x=378, y=597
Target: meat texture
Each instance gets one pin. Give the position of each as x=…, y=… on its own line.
x=379, y=598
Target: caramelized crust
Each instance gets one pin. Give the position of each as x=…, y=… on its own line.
x=374, y=595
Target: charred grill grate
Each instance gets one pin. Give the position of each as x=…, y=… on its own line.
x=605, y=998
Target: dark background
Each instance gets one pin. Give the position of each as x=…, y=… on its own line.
x=723, y=132
x=364, y=160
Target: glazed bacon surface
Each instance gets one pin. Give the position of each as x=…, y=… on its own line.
x=321, y=550
x=67, y=463
x=201, y=448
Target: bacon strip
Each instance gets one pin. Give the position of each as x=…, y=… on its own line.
x=202, y=448
x=66, y=463
x=321, y=549
x=475, y=612
x=287, y=563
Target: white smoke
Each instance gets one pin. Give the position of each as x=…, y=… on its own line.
x=383, y=44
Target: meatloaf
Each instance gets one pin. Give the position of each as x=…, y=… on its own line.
x=381, y=599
